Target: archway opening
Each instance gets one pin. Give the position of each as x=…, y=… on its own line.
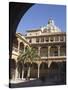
x=34, y=70
x=27, y=66
x=21, y=47
x=62, y=51
x=54, y=51
x=44, y=51
x=54, y=70
x=43, y=69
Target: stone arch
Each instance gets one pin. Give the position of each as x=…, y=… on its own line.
x=43, y=69
x=53, y=51
x=57, y=70
x=53, y=70
x=12, y=67
x=34, y=70
x=16, y=12
x=43, y=65
x=54, y=65
x=21, y=46
x=64, y=66
x=27, y=65
x=44, y=51
x=62, y=71
x=62, y=50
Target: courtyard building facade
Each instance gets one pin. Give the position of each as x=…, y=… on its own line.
x=50, y=43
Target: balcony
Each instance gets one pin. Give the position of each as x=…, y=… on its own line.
x=54, y=58
x=49, y=40
x=16, y=51
x=48, y=43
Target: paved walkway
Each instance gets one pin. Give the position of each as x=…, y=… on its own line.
x=38, y=82
x=20, y=80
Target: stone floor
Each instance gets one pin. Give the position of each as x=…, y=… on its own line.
x=37, y=82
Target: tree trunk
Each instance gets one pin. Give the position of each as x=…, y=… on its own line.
x=16, y=73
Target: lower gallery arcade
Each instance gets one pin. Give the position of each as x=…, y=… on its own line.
x=52, y=60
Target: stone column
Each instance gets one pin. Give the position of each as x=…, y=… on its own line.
x=16, y=74
x=39, y=50
x=38, y=70
x=49, y=62
x=49, y=39
x=59, y=38
x=18, y=45
x=49, y=50
x=22, y=73
x=58, y=50
x=39, y=40
x=24, y=47
x=44, y=39
x=54, y=38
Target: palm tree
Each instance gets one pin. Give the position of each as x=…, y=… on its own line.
x=29, y=55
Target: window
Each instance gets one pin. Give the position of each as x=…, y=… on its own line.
x=51, y=39
x=57, y=38
x=37, y=39
x=42, y=39
x=30, y=40
x=64, y=38
x=56, y=53
x=61, y=38
x=47, y=39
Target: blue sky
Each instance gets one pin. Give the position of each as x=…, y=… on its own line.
x=39, y=14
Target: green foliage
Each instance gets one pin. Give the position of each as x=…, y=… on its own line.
x=30, y=54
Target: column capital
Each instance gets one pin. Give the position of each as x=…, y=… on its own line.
x=39, y=64
x=58, y=46
x=49, y=46
x=39, y=47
